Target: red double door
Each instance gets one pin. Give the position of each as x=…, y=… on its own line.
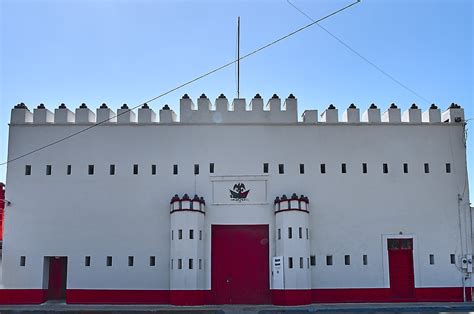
x=400, y=259
x=57, y=278
x=240, y=264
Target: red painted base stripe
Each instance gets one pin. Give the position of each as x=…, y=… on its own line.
x=201, y=297
x=80, y=296
x=189, y=297
x=22, y=296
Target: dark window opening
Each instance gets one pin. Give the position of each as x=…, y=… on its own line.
x=130, y=261
x=153, y=170
x=301, y=168
x=364, y=259
x=135, y=169
x=290, y=233
x=109, y=260
x=175, y=169
x=290, y=262
x=301, y=262
x=211, y=168
x=152, y=261
x=191, y=234
x=265, y=168
x=364, y=168
x=190, y=263
x=448, y=168
x=22, y=260
x=90, y=170
x=200, y=234
x=300, y=232
x=307, y=234
x=347, y=259
x=427, y=168
x=405, y=168
x=200, y=263
x=48, y=170
x=329, y=260
x=279, y=234
x=180, y=234
x=180, y=263
x=385, y=168
x=312, y=260
x=452, y=258
x=69, y=170
x=28, y=170
x=172, y=235
x=112, y=170
x=87, y=261
x=343, y=168
x=322, y=168
x=431, y=259
x=196, y=169
x=281, y=168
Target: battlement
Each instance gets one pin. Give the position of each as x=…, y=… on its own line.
x=275, y=111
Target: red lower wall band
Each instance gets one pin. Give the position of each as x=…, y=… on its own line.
x=201, y=297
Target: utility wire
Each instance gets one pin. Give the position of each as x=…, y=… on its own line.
x=184, y=84
x=378, y=68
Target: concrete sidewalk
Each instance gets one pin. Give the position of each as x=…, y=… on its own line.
x=55, y=307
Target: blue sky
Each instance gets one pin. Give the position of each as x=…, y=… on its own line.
x=129, y=51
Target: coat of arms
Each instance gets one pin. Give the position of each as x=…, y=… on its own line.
x=239, y=192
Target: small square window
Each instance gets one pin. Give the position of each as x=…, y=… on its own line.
x=135, y=169
x=281, y=168
x=364, y=168
x=200, y=263
x=290, y=262
x=322, y=168
x=22, y=261
x=48, y=170
x=112, y=170
x=180, y=263
x=191, y=234
x=175, y=169
x=427, y=168
x=130, y=261
x=301, y=262
x=190, y=263
x=312, y=260
x=347, y=259
x=180, y=234
x=431, y=259
x=300, y=233
x=109, y=261
x=448, y=168
x=329, y=260
x=27, y=170
x=290, y=233
x=90, y=170
x=152, y=261
x=301, y=168
x=265, y=168
x=68, y=170
x=87, y=261
x=405, y=168
x=279, y=234
x=211, y=167
x=385, y=168
x=200, y=234
x=452, y=258
x=343, y=168
x=196, y=169
x=153, y=170
x=364, y=259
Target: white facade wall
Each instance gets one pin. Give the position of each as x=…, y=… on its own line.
x=123, y=215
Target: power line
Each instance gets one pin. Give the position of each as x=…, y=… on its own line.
x=378, y=68
x=184, y=84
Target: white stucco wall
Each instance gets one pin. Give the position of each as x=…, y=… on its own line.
x=128, y=215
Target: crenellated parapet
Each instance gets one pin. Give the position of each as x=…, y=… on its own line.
x=284, y=203
x=222, y=111
x=185, y=203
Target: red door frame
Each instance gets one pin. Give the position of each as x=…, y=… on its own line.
x=240, y=264
x=57, y=278
x=401, y=271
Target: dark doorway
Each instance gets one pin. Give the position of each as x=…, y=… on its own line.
x=57, y=277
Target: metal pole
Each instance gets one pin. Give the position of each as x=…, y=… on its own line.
x=238, y=57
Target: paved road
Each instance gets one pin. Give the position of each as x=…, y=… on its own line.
x=386, y=308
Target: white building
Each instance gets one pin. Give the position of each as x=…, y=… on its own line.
x=369, y=208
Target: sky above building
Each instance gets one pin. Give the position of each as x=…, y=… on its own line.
x=119, y=52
